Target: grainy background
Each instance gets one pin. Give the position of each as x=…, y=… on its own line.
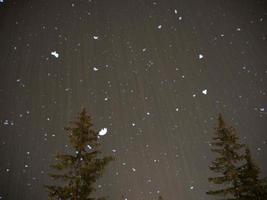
x=154, y=73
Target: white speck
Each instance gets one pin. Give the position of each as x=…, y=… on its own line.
x=7, y=170
x=175, y=11
x=133, y=169
x=200, y=56
x=114, y=150
x=96, y=37
x=180, y=18
x=26, y=166
x=95, y=69
x=144, y=49
x=48, y=119
x=28, y=112
x=18, y=80
x=53, y=135
x=194, y=95
x=191, y=187
x=124, y=163
x=103, y=131
x=204, y=91
x=55, y=54
x=72, y=5
x=67, y=89
x=238, y=29
x=89, y=147
x=258, y=149
x=28, y=153
x=262, y=109
x=158, y=191
x=133, y=124
x=106, y=99
x=6, y=122
x=148, y=113
x=159, y=26
x=177, y=109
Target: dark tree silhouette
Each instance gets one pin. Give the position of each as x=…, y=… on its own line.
x=227, y=163
x=76, y=173
x=252, y=187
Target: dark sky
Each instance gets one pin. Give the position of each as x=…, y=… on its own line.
x=155, y=73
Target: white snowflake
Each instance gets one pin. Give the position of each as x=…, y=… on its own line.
x=55, y=54
x=103, y=131
x=204, y=91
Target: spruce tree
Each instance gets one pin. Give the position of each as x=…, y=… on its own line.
x=77, y=172
x=252, y=187
x=226, y=164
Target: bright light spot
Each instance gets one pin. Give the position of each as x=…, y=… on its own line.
x=200, y=56
x=262, y=109
x=191, y=187
x=95, y=69
x=180, y=18
x=96, y=37
x=159, y=26
x=175, y=11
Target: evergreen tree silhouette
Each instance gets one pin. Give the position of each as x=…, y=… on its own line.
x=76, y=173
x=227, y=163
x=252, y=187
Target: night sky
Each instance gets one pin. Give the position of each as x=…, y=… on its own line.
x=155, y=73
